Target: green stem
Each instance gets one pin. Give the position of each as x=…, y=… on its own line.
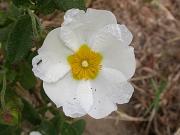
x=3, y=91
x=33, y=19
x=35, y=24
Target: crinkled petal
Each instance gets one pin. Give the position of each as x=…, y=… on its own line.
x=48, y=69
x=118, y=91
x=112, y=32
x=73, y=15
x=116, y=52
x=64, y=93
x=122, y=60
x=102, y=106
x=54, y=46
x=113, y=74
x=73, y=109
x=84, y=95
x=83, y=25
x=71, y=39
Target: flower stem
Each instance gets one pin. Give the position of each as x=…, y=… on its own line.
x=3, y=91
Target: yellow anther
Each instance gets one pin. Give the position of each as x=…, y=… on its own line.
x=85, y=63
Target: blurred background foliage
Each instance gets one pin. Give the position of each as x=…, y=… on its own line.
x=24, y=107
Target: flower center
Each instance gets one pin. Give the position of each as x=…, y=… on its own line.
x=85, y=63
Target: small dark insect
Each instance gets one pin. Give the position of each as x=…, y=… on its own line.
x=40, y=61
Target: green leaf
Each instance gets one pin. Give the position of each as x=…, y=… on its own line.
x=79, y=126
x=20, y=39
x=12, y=114
x=26, y=76
x=14, y=13
x=68, y=129
x=47, y=128
x=24, y=3
x=45, y=7
x=58, y=121
x=11, y=75
x=69, y=4
x=4, y=32
x=30, y=113
x=36, y=25
x=10, y=117
x=3, y=18
x=49, y=6
x=9, y=130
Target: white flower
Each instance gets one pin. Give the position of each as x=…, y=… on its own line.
x=35, y=133
x=85, y=64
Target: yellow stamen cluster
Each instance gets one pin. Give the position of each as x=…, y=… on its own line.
x=85, y=63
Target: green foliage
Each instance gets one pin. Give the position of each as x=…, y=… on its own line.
x=4, y=32
x=68, y=4
x=30, y=113
x=75, y=128
x=11, y=115
x=17, y=48
x=49, y=6
x=159, y=89
x=46, y=7
x=24, y=3
x=26, y=77
x=47, y=128
x=9, y=130
x=79, y=126
x=22, y=98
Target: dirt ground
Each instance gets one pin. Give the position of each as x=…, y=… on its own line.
x=155, y=25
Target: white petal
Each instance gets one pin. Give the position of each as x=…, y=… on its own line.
x=71, y=39
x=48, y=69
x=120, y=93
x=99, y=18
x=123, y=59
x=111, y=32
x=35, y=133
x=117, y=91
x=84, y=95
x=111, y=42
x=72, y=15
x=115, y=54
x=82, y=26
x=62, y=91
x=112, y=74
x=102, y=106
x=123, y=96
x=73, y=109
x=54, y=46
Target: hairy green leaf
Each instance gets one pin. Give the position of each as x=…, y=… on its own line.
x=30, y=113
x=45, y=7
x=24, y=3
x=47, y=128
x=9, y=130
x=79, y=126
x=26, y=76
x=49, y=6
x=69, y=4
x=68, y=129
x=4, y=32
x=20, y=39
